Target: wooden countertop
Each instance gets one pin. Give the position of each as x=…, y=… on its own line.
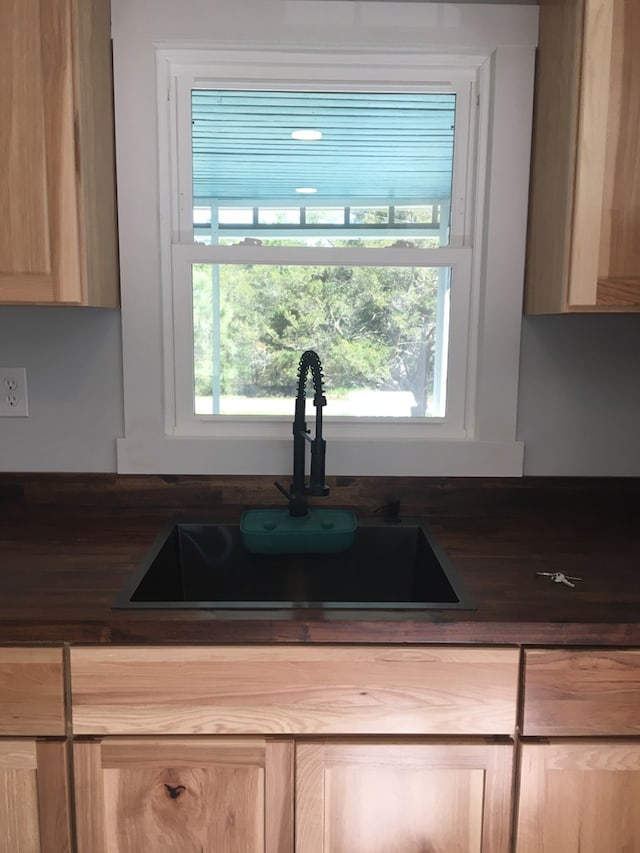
x=68, y=545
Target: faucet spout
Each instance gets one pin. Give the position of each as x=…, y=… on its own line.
x=317, y=487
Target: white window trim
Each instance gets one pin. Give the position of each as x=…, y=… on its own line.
x=179, y=72
x=487, y=447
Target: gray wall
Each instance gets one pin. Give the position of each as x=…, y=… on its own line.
x=579, y=400
x=579, y=405
x=73, y=358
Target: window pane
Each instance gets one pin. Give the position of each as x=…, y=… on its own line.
x=279, y=216
x=234, y=216
x=368, y=215
x=381, y=332
x=325, y=215
x=370, y=165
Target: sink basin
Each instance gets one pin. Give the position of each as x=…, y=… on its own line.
x=205, y=565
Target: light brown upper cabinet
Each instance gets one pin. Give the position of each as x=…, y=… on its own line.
x=584, y=217
x=57, y=176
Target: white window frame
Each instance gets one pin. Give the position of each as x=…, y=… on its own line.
x=179, y=73
x=481, y=439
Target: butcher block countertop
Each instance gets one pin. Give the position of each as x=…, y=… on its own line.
x=69, y=543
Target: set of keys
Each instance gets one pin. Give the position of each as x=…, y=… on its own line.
x=560, y=577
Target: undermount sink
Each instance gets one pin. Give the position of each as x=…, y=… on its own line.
x=205, y=565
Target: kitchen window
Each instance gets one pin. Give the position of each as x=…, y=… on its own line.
x=295, y=211
x=337, y=199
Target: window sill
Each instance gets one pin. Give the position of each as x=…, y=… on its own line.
x=352, y=457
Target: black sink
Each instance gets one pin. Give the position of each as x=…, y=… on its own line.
x=205, y=565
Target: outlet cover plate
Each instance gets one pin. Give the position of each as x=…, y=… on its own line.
x=13, y=392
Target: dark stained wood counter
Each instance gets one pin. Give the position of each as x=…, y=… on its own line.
x=68, y=544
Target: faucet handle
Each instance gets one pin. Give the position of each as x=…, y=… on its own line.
x=282, y=490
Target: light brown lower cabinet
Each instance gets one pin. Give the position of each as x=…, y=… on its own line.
x=319, y=750
x=184, y=795
x=580, y=796
x=293, y=749
x=409, y=797
x=34, y=797
x=244, y=795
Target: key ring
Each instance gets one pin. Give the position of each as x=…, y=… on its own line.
x=560, y=577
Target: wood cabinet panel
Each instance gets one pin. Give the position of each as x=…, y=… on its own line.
x=554, y=155
x=619, y=262
x=24, y=241
x=580, y=795
x=57, y=184
x=34, y=797
x=581, y=692
x=31, y=691
x=584, y=216
x=184, y=796
x=373, y=797
x=286, y=690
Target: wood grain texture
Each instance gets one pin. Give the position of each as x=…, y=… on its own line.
x=372, y=797
x=591, y=152
x=184, y=796
x=31, y=691
x=57, y=188
x=89, y=796
x=42, y=261
x=584, y=217
x=24, y=236
x=583, y=693
x=18, y=798
x=619, y=242
x=287, y=690
x=556, y=106
x=54, y=812
x=580, y=795
x=34, y=797
x=279, y=795
x=621, y=293
x=96, y=175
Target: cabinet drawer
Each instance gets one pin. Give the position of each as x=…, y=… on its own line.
x=289, y=690
x=581, y=692
x=31, y=691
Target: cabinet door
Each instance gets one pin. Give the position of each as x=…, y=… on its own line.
x=579, y=796
x=39, y=238
x=57, y=186
x=184, y=796
x=584, y=212
x=605, y=261
x=404, y=797
x=34, y=797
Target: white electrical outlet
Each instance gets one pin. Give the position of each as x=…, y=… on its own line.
x=13, y=392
